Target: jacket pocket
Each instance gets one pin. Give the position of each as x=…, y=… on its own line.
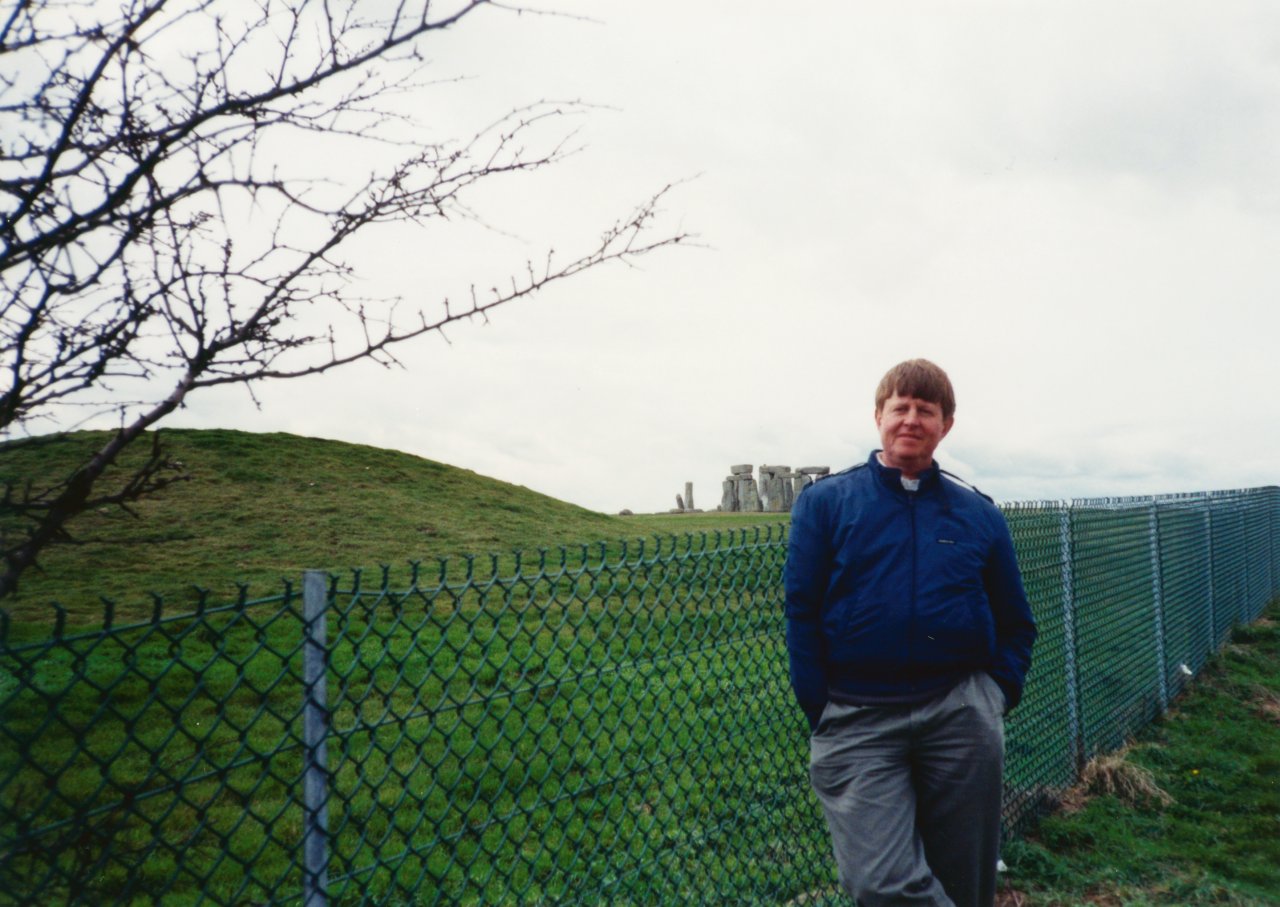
x=956, y=564
x=957, y=632
x=866, y=633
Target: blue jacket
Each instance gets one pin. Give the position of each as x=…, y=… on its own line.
x=891, y=595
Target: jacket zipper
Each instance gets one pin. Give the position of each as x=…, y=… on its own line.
x=911, y=624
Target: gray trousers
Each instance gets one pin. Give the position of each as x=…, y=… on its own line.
x=912, y=796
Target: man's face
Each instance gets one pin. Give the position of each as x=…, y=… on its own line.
x=910, y=429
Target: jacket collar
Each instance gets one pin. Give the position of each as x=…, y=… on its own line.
x=930, y=479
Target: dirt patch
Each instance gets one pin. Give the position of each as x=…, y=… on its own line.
x=1266, y=702
x=817, y=896
x=1236, y=650
x=1103, y=898
x=1074, y=799
x=1011, y=897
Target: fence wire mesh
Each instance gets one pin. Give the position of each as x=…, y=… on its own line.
x=606, y=724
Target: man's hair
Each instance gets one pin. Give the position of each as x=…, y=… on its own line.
x=918, y=378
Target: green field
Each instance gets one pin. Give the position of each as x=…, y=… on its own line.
x=620, y=727
x=598, y=710
x=260, y=508
x=513, y=728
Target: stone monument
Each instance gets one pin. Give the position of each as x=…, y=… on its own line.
x=776, y=492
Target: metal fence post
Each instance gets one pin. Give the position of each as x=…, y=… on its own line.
x=1069, y=637
x=1266, y=496
x=1271, y=544
x=1245, y=612
x=1157, y=594
x=1213, y=617
x=315, y=793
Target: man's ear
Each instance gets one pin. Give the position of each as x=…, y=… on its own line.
x=877, y=417
x=946, y=426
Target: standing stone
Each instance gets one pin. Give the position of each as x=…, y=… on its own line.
x=679, y=503
x=729, y=495
x=748, y=496
x=789, y=490
x=777, y=495
x=688, y=495
x=771, y=488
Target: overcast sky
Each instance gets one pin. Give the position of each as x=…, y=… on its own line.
x=1072, y=207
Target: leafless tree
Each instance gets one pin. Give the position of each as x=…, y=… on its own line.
x=135, y=136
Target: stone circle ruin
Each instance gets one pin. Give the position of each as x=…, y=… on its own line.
x=776, y=491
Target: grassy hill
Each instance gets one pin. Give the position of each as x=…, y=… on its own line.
x=259, y=507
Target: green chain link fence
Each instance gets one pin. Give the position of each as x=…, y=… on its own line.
x=590, y=725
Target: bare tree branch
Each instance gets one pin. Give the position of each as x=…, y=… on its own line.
x=133, y=139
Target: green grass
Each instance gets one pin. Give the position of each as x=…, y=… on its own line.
x=624, y=730
x=1217, y=754
x=607, y=721
x=262, y=507
x=506, y=729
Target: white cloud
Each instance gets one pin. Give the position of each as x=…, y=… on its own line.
x=1072, y=207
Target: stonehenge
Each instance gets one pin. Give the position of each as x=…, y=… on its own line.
x=775, y=492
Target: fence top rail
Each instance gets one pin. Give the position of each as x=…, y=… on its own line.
x=1126, y=502
x=465, y=572
x=1044, y=505
x=61, y=633
x=457, y=573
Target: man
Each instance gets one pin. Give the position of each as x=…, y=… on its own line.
x=910, y=637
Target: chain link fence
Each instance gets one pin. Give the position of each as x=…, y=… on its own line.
x=601, y=724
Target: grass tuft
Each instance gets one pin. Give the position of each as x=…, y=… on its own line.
x=1267, y=702
x=1115, y=775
